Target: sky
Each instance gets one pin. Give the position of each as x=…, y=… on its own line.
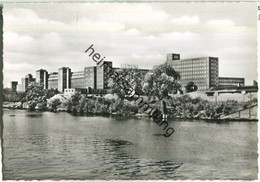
x=52, y=35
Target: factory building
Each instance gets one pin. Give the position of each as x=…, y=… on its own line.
x=42, y=78
x=203, y=71
x=14, y=85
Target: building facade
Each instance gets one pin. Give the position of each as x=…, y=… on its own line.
x=229, y=82
x=91, y=77
x=78, y=80
x=25, y=82
x=64, y=78
x=53, y=80
x=202, y=71
x=102, y=77
x=42, y=78
x=14, y=85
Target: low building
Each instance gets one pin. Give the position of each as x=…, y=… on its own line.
x=89, y=91
x=71, y=91
x=233, y=89
x=230, y=81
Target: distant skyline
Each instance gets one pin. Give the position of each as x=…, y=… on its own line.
x=50, y=36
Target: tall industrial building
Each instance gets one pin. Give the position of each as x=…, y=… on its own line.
x=14, y=85
x=102, y=77
x=25, y=82
x=202, y=71
x=91, y=77
x=64, y=78
x=42, y=78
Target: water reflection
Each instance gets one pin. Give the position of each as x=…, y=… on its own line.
x=36, y=115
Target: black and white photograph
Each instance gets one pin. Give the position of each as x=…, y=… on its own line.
x=129, y=91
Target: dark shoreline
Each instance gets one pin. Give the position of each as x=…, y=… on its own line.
x=119, y=116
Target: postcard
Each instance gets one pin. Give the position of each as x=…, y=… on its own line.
x=129, y=91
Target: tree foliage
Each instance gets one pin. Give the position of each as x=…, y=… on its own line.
x=11, y=95
x=36, y=95
x=54, y=104
x=133, y=78
x=75, y=102
x=191, y=87
x=161, y=81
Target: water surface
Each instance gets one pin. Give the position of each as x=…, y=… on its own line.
x=46, y=145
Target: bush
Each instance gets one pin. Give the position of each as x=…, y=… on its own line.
x=54, y=104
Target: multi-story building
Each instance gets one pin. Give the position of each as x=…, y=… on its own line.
x=42, y=78
x=64, y=78
x=91, y=77
x=229, y=81
x=202, y=71
x=134, y=69
x=14, y=85
x=29, y=78
x=53, y=80
x=78, y=80
x=102, y=77
x=25, y=82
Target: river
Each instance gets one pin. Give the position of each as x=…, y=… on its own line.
x=45, y=145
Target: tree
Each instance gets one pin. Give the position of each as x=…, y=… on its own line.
x=54, y=104
x=10, y=95
x=22, y=97
x=191, y=87
x=161, y=81
x=74, y=102
x=133, y=77
x=35, y=94
x=51, y=92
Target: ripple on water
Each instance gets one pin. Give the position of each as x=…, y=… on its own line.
x=44, y=145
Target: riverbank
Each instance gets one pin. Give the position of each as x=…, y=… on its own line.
x=202, y=115
x=179, y=106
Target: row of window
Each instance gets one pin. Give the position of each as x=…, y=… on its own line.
x=194, y=73
x=189, y=65
x=194, y=77
x=235, y=84
x=231, y=81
